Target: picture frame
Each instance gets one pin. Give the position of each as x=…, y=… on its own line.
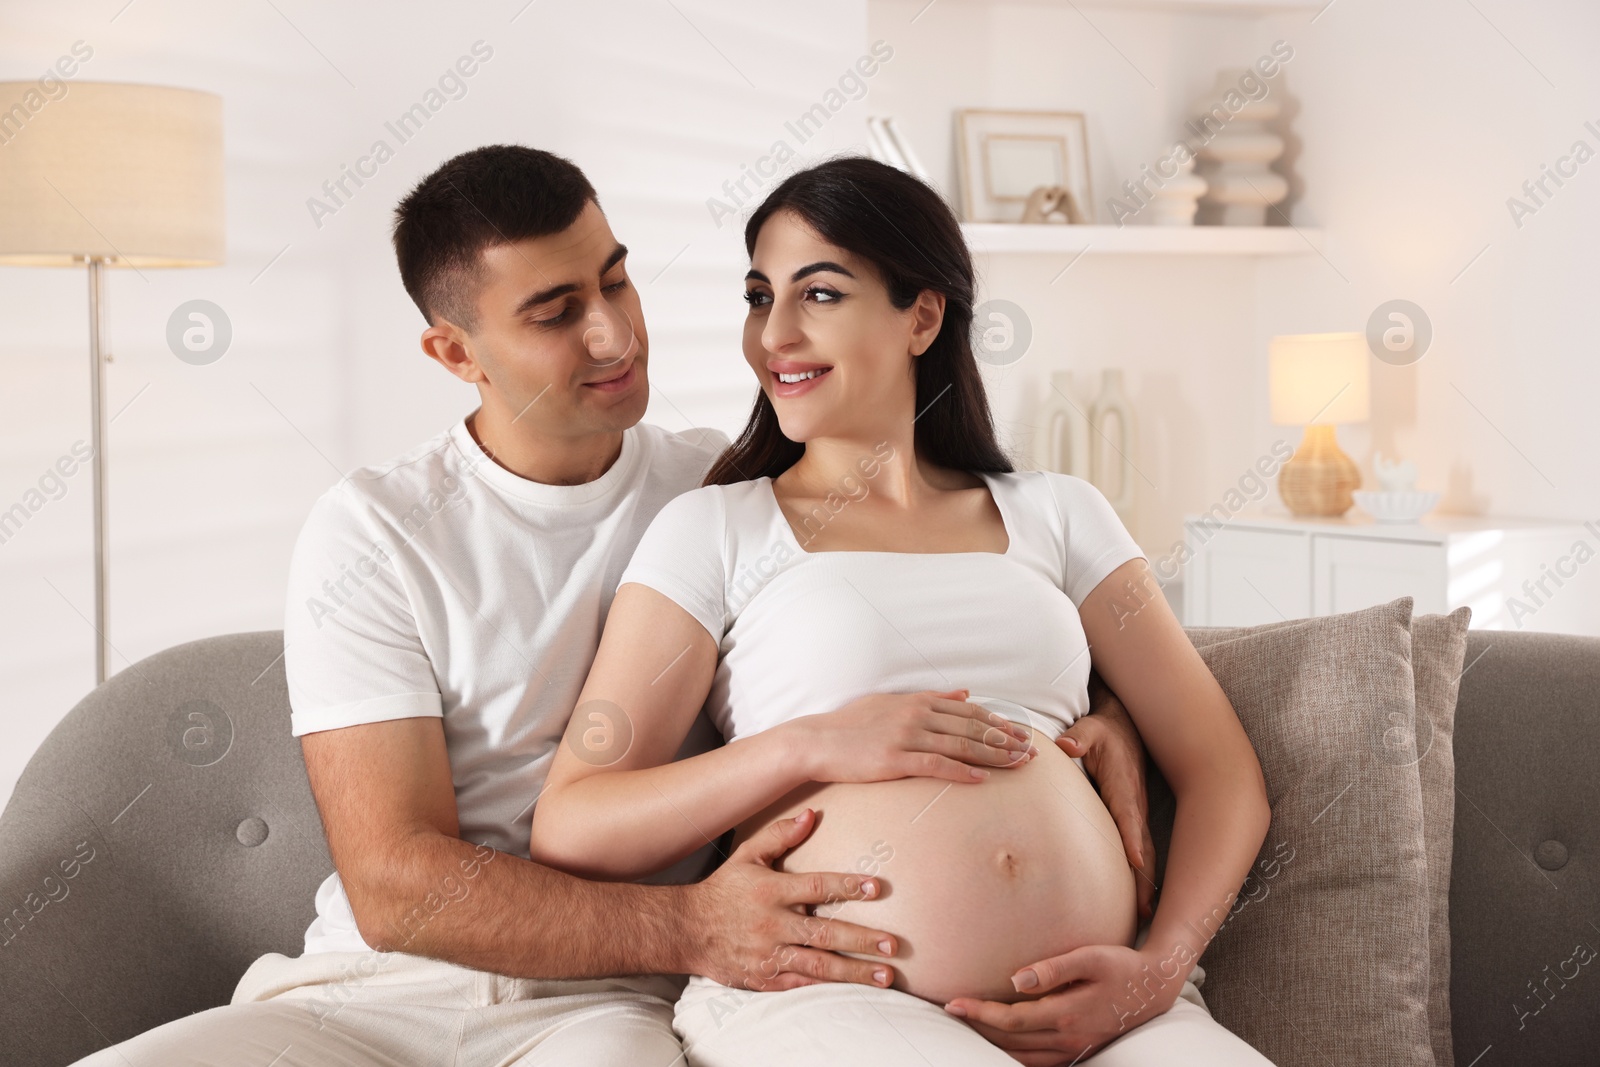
x=1004, y=155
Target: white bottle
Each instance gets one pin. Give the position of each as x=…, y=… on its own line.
x=1061, y=431
x=1111, y=445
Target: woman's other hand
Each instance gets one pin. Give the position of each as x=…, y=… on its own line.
x=908, y=735
x=1109, y=991
x=1113, y=757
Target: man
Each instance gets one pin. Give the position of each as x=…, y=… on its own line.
x=443, y=612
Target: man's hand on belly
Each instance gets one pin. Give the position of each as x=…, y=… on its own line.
x=1112, y=990
x=1113, y=756
x=753, y=931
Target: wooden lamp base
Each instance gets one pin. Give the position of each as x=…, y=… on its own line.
x=1319, y=478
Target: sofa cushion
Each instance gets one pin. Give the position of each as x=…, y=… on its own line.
x=172, y=804
x=1324, y=956
x=1525, y=870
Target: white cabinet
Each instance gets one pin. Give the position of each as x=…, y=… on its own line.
x=1348, y=573
x=1245, y=576
x=1249, y=569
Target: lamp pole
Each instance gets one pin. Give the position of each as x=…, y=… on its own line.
x=98, y=358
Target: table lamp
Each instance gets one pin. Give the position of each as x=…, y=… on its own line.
x=1317, y=381
x=98, y=175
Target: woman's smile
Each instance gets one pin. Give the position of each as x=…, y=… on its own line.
x=791, y=377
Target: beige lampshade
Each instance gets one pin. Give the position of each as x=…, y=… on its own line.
x=1319, y=377
x=131, y=173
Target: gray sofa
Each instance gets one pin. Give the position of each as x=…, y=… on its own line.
x=164, y=836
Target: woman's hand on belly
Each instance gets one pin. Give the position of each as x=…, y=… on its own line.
x=1112, y=990
x=886, y=736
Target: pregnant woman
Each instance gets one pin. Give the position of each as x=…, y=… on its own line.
x=866, y=546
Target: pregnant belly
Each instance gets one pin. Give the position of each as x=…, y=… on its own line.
x=977, y=880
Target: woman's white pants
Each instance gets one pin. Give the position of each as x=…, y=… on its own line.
x=835, y=1025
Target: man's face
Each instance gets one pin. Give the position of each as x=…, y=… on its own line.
x=560, y=343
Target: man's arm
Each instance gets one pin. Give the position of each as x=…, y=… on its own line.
x=387, y=801
x=388, y=808
x=1114, y=757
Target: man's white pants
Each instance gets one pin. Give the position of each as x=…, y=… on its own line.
x=857, y=1026
x=394, y=1009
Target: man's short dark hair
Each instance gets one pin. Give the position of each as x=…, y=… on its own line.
x=489, y=196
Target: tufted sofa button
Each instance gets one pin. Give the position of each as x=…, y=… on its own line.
x=1552, y=855
x=253, y=831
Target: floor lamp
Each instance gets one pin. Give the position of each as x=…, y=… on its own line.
x=102, y=175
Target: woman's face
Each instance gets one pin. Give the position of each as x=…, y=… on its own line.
x=820, y=316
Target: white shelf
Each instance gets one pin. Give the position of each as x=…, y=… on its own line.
x=1008, y=237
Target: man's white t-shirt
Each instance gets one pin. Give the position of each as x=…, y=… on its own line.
x=441, y=584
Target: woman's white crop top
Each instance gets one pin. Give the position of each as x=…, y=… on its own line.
x=803, y=632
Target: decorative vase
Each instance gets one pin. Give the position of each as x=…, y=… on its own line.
x=1061, y=433
x=1111, y=445
x=1239, y=151
x=1175, y=203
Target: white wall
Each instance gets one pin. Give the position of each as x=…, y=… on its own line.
x=1418, y=122
x=213, y=468
x=1410, y=126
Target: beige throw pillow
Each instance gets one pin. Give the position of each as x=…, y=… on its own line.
x=1324, y=957
x=1438, y=652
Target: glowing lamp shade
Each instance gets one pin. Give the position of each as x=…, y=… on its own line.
x=130, y=174
x=1320, y=378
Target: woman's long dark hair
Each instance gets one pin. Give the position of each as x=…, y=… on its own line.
x=904, y=228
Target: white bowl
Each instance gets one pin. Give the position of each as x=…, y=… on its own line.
x=1405, y=506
